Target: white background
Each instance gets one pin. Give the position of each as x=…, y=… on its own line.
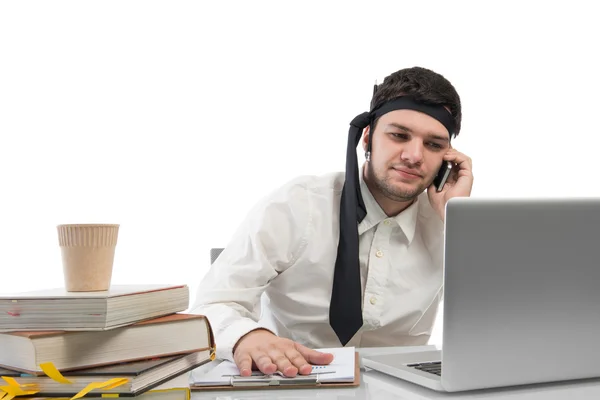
x=172, y=118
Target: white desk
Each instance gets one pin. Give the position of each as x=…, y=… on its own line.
x=378, y=386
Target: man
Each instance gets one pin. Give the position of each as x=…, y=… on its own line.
x=350, y=259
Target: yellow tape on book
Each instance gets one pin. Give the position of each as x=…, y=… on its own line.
x=14, y=389
x=213, y=354
x=186, y=389
x=115, y=382
x=109, y=384
x=50, y=370
x=11, y=381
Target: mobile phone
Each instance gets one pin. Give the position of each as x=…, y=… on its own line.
x=442, y=175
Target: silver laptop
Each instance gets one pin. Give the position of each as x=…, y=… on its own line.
x=521, y=297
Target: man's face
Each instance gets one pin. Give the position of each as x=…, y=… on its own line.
x=407, y=151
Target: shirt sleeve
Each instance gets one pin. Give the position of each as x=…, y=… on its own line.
x=270, y=240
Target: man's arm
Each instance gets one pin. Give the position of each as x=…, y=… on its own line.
x=270, y=240
x=230, y=293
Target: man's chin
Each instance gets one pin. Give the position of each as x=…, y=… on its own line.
x=404, y=192
x=404, y=187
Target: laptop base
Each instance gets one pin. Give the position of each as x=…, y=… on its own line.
x=397, y=365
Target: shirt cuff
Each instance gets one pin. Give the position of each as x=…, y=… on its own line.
x=230, y=336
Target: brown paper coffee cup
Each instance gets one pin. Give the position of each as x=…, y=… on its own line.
x=88, y=252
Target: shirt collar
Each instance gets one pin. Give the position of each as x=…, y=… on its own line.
x=406, y=220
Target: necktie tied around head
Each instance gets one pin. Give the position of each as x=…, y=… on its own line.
x=345, y=310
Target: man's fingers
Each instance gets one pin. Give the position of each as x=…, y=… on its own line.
x=463, y=161
x=283, y=363
x=298, y=361
x=263, y=362
x=269, y=354
x=313, y=356
x=244, y=364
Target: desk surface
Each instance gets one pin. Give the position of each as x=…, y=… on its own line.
x=379, y=386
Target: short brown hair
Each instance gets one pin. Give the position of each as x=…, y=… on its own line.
x=425, y=86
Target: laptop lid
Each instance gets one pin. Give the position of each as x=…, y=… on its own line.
x=521, y=297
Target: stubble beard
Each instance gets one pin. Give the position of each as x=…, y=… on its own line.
x=384, y=183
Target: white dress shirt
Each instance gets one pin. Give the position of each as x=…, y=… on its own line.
x=277, y=271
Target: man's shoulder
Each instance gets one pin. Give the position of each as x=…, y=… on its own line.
x=329, y=183
x=298, y=196
x=303, y=190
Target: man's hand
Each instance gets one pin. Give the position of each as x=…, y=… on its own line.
x=262, y=350
x=459, y=184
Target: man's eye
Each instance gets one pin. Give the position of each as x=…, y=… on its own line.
x=435, y=146
x=402, y=136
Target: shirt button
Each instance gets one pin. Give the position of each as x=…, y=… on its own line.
x=379, y=253
x=387, y=222
x=373, y=300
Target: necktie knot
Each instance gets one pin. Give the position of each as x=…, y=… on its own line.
x=361, y=121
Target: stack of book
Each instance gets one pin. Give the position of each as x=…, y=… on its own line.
x=118, y=343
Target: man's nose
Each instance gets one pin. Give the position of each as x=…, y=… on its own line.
x=413, y=152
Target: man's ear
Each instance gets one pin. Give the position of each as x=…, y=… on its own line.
x=365, y=138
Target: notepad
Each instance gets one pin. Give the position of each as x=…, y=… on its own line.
x=342, y=370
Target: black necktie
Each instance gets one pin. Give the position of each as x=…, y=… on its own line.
x=345, y=309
